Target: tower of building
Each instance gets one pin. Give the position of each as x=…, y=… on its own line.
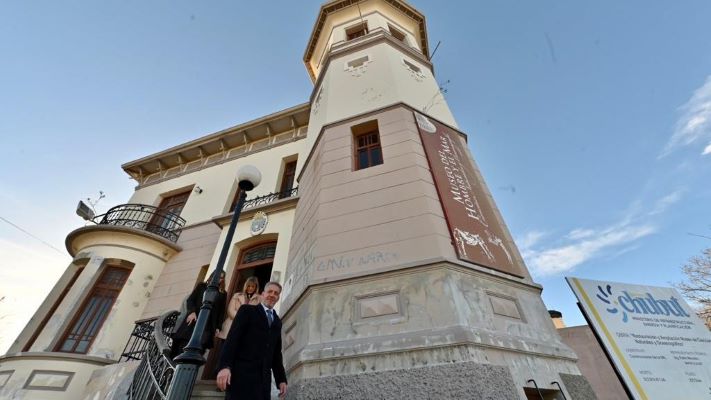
x=402, y=275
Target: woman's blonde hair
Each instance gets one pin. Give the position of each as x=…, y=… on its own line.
x=251, y=280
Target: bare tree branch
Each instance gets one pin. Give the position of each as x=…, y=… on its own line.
x=697, y=286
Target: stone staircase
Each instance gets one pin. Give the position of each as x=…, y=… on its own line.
x=206, y=390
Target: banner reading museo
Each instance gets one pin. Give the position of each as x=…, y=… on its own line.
x=660, y=348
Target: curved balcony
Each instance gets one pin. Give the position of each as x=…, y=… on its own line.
x=146, y=218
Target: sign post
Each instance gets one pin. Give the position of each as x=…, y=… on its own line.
x=659, y=347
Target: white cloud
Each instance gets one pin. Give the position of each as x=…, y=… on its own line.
x=707, y=150
x=564, y=258
x=584, y=244
x=577, y=234
x=695, y=123
x=665, y=202
x=530, y=239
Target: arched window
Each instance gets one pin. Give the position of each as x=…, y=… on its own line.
x=90, y=317
x=253, y=261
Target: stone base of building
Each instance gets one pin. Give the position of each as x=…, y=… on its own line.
x=467, y=380
x=578, y=387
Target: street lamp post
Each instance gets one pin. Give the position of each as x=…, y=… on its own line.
x=188, y=362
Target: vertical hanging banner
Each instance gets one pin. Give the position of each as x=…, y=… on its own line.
x=659, y=347
x=476, y=234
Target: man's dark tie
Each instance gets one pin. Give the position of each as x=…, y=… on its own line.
x=270, y=316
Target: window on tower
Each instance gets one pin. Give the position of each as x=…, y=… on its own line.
x=366, y=143
x=356, y=31
x=397, y=34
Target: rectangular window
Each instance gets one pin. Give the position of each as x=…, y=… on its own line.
x=287, y=180
x=166, y=215
x=93, y=312
x=174, y=204
x=366, y=143
x=356, y=31
x=396, y=33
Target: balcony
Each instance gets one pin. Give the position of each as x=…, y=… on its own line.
x=146, y=218
x=271, y=202
x=270, y=198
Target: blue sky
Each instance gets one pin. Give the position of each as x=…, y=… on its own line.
x=589, y=120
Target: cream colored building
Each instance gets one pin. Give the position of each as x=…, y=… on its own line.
x=381, y=297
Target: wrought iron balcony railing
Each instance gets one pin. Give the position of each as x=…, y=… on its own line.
x=146, y=218
x=271, y=197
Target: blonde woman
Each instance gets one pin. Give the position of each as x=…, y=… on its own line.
x=248, y=295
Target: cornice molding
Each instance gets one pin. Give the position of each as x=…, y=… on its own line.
x=272, y=128
x=56, y=356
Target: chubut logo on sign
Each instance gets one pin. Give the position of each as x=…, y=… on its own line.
x=639, y=304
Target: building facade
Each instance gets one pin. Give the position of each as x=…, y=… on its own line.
x=400, y=277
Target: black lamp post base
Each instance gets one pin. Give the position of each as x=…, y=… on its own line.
x=182, y=386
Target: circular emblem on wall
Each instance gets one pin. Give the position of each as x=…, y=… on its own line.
x=425, y=124
x=259, y=223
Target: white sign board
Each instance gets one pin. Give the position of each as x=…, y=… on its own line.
x=659, y=346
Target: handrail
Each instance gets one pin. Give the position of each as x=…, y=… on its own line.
x=139, y=339
x=154, y=374
x=537, y=389
x=151, y=219
x=163, y=329
x=271, y=197
x=559, y=388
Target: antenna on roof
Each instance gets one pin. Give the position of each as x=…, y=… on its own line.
x=87, y=210
x=362, y=22
x=435, y=49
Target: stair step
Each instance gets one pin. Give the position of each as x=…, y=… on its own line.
x=206, y=389
x=205, y=394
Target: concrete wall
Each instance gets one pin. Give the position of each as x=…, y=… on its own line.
x=593, y=363
x=55, y=370
x=180, y=273
x=352, y=223
x=430, y=316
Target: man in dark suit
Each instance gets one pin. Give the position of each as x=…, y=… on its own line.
x=252, y=351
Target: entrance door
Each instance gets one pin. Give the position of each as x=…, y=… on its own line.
x=254, y=261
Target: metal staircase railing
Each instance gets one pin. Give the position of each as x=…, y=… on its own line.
x=155, y=372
